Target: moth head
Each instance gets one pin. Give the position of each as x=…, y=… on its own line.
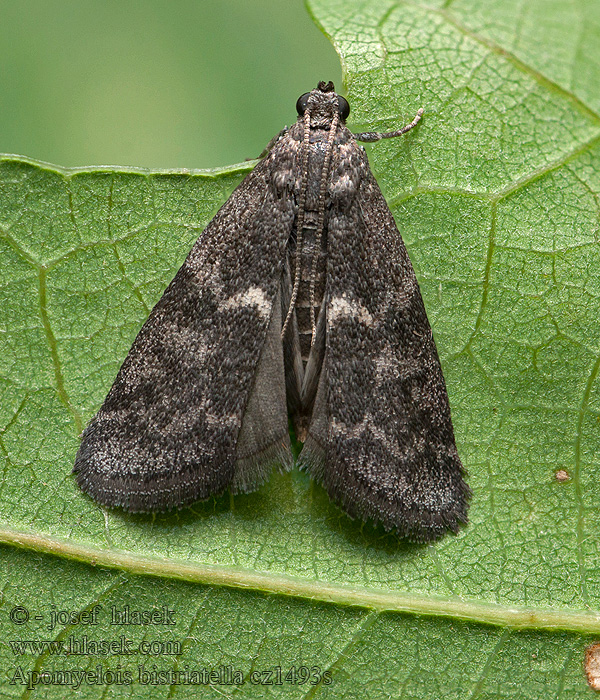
x=323, y=103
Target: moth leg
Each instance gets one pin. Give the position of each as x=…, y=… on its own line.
x=371, y=136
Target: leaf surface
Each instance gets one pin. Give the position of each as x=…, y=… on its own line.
x=497, y=197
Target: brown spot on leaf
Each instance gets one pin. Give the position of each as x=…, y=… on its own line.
x=592, y=666
x=562, y=475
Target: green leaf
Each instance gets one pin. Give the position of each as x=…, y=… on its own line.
x=497, y=197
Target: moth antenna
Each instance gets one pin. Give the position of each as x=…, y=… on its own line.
x=371, y=136
x=321, y=221
x=300, y=220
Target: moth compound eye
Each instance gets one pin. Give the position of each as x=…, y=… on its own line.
x=302, y=103
x=343, y=108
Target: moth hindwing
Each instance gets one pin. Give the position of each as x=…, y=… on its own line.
x=299, y=297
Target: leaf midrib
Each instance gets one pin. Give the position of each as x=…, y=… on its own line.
x=515, y=617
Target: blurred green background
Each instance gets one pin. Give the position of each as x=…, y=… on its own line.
x=154, y=83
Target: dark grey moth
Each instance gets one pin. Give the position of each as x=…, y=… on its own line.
x=299, y=297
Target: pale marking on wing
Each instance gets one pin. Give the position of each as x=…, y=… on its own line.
x=253, y=296
x=341, y=307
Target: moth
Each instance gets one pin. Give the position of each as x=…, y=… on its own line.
x=298, y=298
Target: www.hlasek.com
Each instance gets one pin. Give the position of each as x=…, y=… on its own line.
x=84, y=646
x=152, y=676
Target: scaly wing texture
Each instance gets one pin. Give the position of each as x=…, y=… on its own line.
x=173, y=428
x=382, y=441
